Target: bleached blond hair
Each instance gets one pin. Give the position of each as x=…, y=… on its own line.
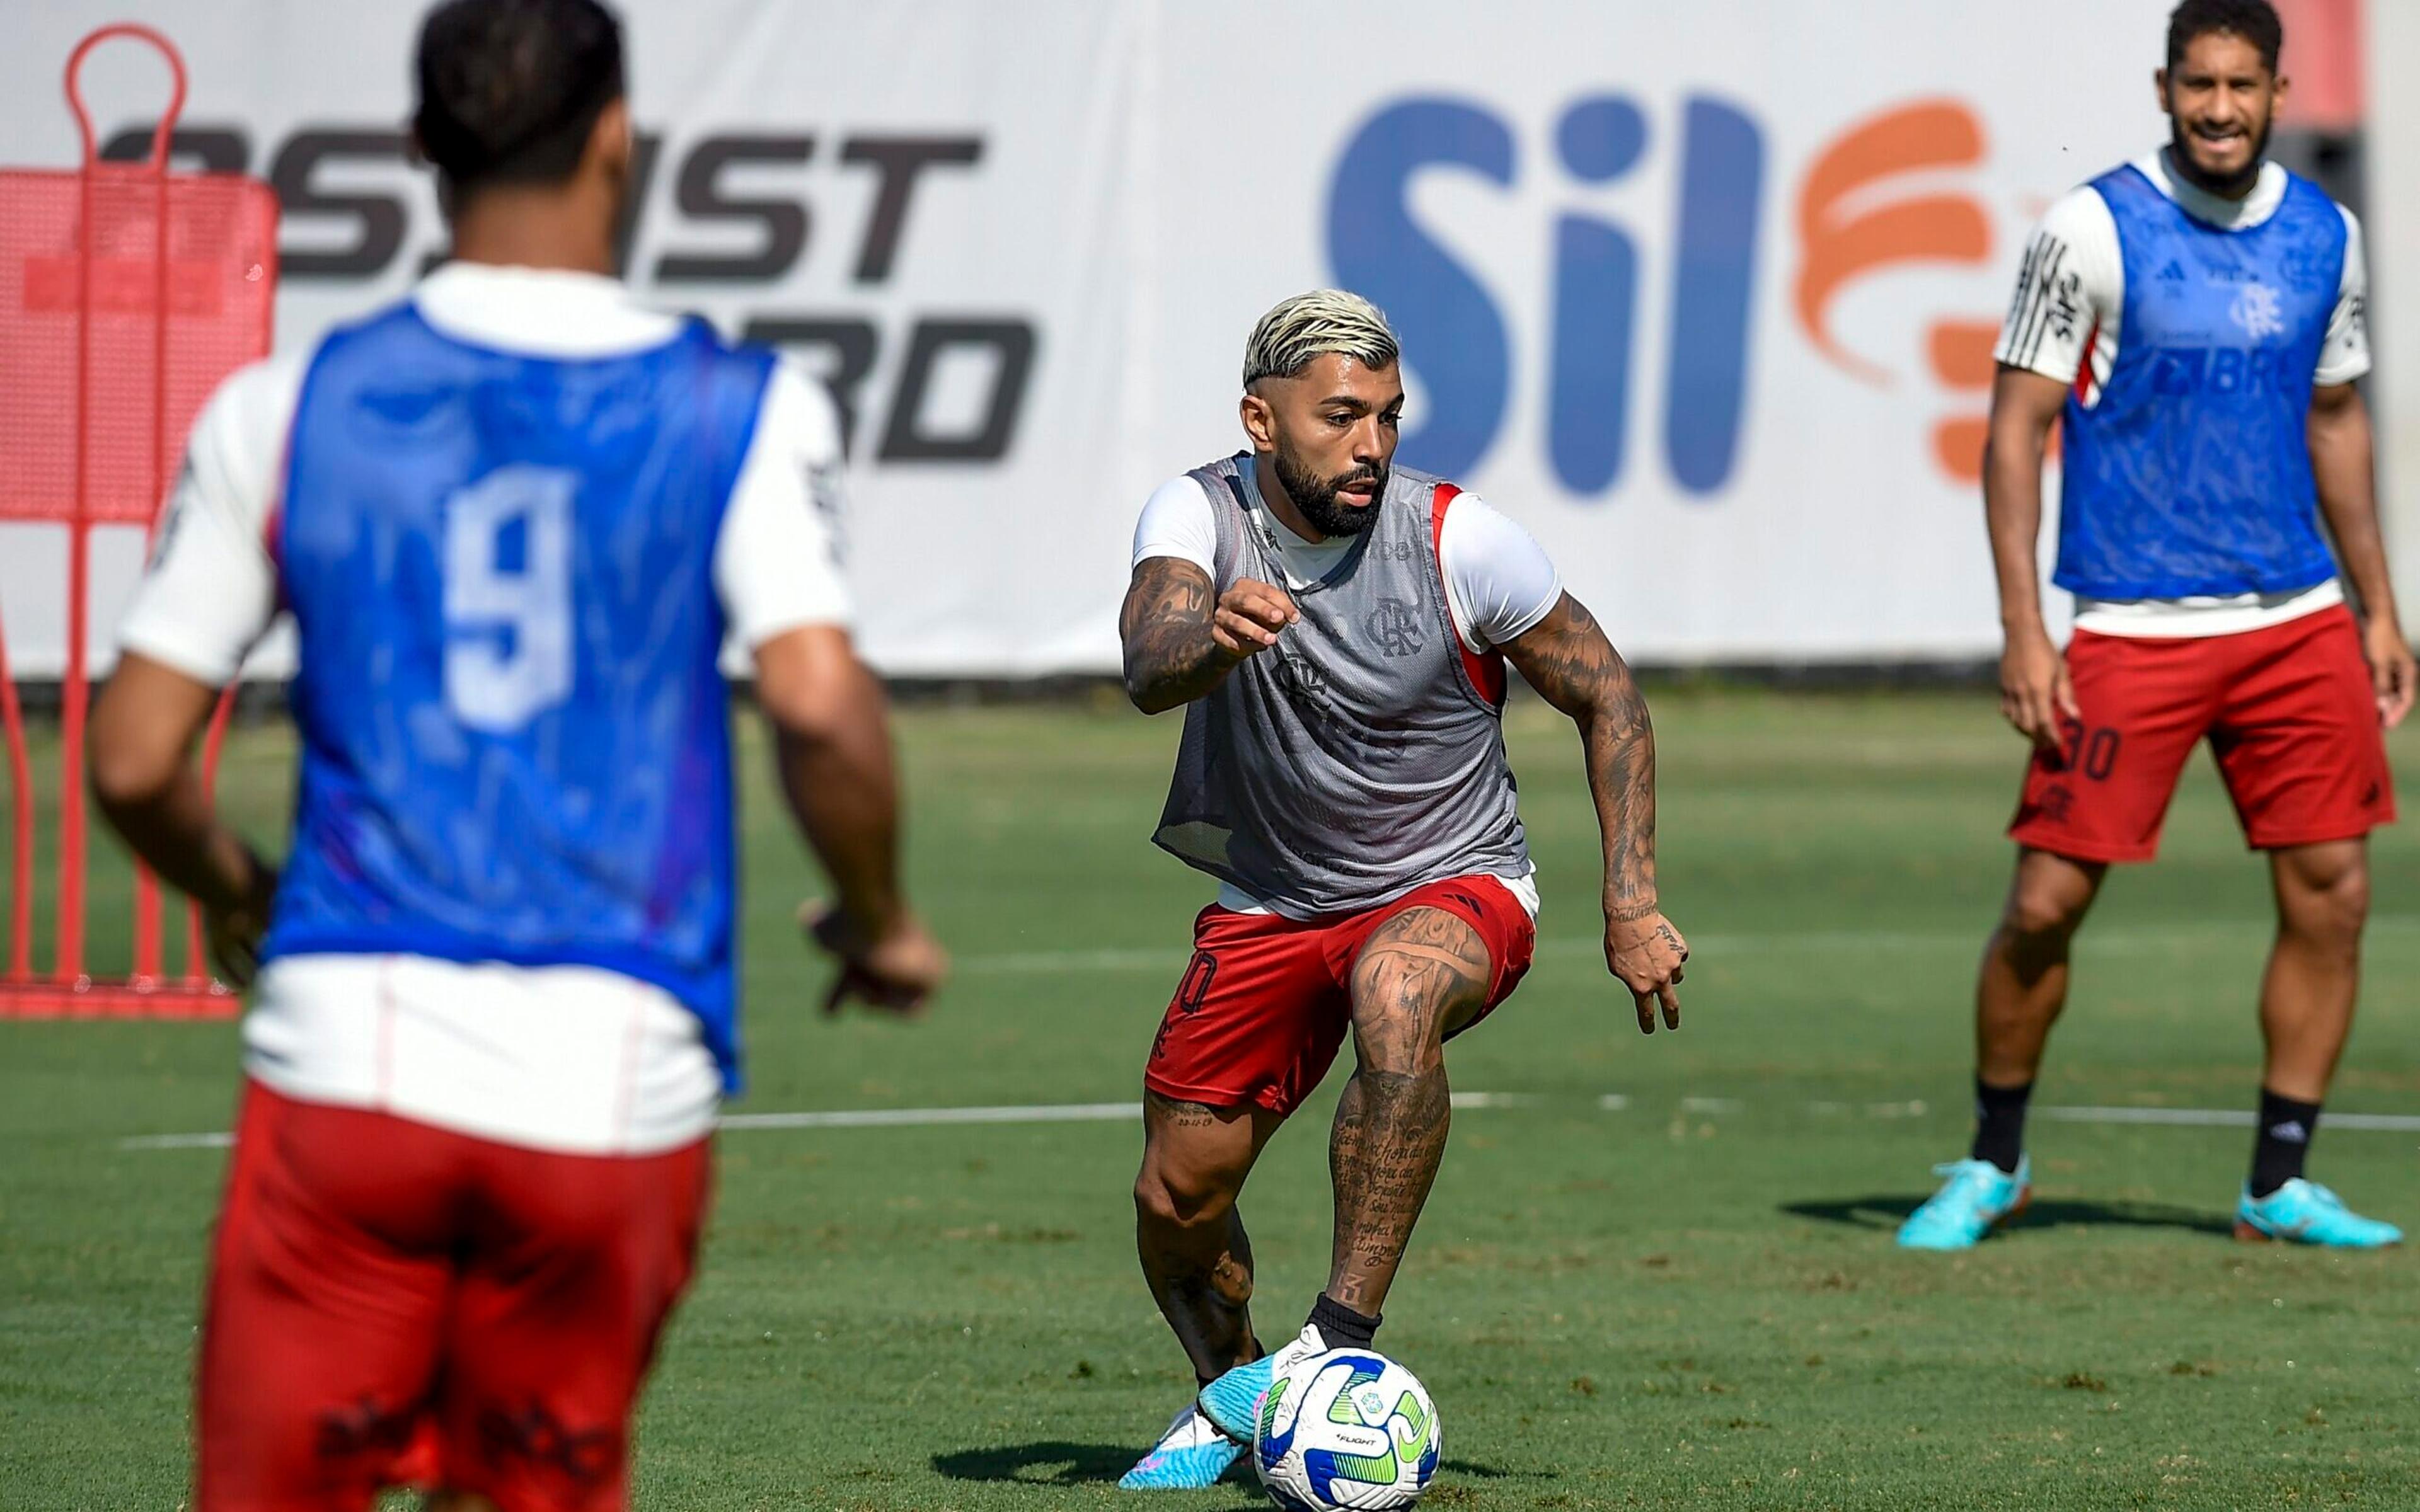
x=1311, y=325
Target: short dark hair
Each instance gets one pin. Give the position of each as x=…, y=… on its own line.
x=510, y=90
x=2254, y=21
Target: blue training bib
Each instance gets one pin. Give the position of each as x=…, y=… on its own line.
x=2192, y=475
x=515, y=739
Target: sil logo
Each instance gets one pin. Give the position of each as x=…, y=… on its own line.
x=1872, y=203
x=1872, y=200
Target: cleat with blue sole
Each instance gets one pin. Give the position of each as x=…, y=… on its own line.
x=1232, y=1402
x=1190, y=1456
x=1978, y=1197
x=2306, y=1212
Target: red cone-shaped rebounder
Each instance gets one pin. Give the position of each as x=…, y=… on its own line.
x=127, y=293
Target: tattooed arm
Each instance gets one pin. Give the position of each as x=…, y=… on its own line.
x=1566, y=657
x=1179, y=645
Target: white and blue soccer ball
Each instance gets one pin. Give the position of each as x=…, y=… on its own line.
x=1349, y=1428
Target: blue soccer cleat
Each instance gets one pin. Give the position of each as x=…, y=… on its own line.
x=2306, y=1212
x=1232, y=1402
x=1191, y=1455
x=1978, y=1197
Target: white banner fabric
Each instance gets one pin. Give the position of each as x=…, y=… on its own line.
x=1703, y=295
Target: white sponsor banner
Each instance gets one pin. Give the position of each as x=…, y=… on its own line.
x=2392, y=147
x=1703, y=295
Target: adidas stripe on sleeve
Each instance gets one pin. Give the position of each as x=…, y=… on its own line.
x=2070, y=287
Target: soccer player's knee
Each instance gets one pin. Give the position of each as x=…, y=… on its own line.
x=1181, y=1198
x=2039, y=915
x=2330, y=900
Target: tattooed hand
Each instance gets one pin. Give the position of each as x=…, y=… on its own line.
x=1567, y=658
x=1178, y=644
x=1249, y=618
x=1646, y=952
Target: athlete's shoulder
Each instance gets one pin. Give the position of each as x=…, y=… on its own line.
x=1179, y=519
x=239, y=434
x=263, y=387
x=1209, y=472
x=2313, y=200
x=2084, y=213
x=380, y=320
x=2133, y=177
x=1423, y=487
x=797, y=411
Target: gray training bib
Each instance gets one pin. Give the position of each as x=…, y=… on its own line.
x=1355, y=760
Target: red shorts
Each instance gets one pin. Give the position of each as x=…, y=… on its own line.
x=2290, y=715
x=1265, y=1005
x=392, y=1303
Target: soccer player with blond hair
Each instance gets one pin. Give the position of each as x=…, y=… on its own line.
x=1336, y=629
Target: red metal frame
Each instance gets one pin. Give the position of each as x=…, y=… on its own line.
x=66, y=989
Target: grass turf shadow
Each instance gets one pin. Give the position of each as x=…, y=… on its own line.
x=1046, y=1463
x=1886, y=1212
x=1054, y=1462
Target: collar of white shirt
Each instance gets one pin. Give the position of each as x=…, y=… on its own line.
x=2268, y=192
x=545, y=312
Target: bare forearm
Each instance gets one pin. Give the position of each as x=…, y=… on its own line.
x=2012, y=512
x=140, y=763
x=1619, y=743
x=1172, y=667
x=1171, y=656
x=1572, y=664
x=175, y=833
x=2341, y=468
x=842, y=784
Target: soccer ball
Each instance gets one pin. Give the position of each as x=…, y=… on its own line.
x=1348, y=1428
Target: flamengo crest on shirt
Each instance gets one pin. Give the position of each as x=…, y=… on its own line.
x=2258, y=311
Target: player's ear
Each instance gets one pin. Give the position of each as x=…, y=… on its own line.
x=1260, y=421
x=2160, y=87
x=609, y=140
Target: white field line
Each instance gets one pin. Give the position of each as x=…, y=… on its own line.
x=2119, y=940
x=1609, y=1103
x=2226, y=1118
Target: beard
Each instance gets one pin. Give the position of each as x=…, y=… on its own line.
x=2179, y=148
x=1316, y=498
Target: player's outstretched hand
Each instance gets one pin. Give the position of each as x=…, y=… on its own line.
x=895, y=972
x=1646, y=954
x=1248, y=617
x=2391, y=670
x=2035, y=691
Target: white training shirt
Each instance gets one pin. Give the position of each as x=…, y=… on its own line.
x=1499, y=583
x=566, y=1059
x=2069, y=305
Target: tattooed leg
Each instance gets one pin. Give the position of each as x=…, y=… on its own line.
x=1423, y=975
x=1195, y=1255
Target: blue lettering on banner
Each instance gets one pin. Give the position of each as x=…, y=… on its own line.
x=1434, y=301
x=1596, y=277
x=1455, y=332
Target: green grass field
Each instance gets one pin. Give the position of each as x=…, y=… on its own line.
x=1687, y=1299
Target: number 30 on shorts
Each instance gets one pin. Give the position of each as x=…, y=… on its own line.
x=2090, y=750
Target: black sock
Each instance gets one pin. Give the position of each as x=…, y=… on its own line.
x=2286, y=1130
x=2000, y=1124
x=1340, y=1326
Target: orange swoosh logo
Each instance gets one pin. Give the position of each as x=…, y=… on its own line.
x=1840, y=242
